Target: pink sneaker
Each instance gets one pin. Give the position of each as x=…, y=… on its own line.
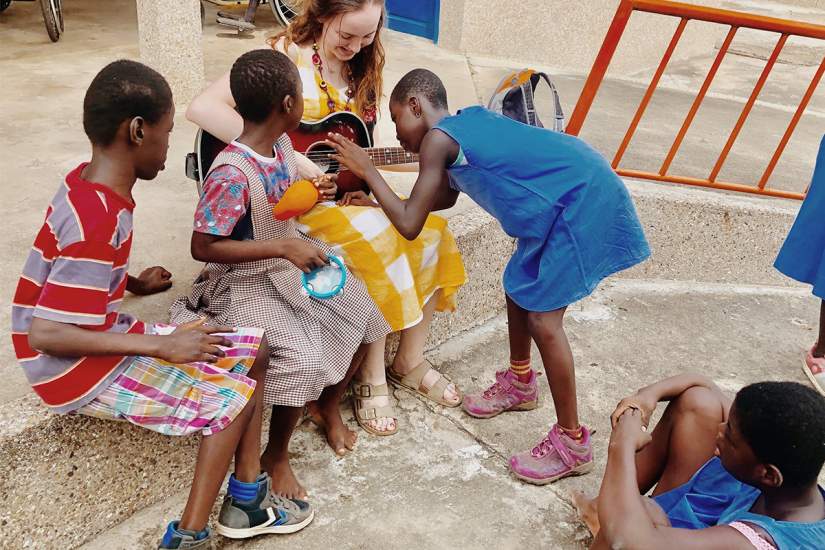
x=556, y=456
x=506, y=394
x=815, y=370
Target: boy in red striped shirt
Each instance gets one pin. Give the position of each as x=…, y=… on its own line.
x=82, y=356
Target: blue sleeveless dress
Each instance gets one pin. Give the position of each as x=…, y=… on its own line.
x=714, y=497
x=802, y=257
x=571, y=214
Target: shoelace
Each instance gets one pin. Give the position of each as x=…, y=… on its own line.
x=494, y=389
x=543, y=448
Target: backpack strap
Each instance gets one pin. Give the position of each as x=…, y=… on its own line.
x=558, y=122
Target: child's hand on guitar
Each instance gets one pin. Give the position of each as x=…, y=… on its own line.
x=356, y=198
x=327, y=188
x=351, y=156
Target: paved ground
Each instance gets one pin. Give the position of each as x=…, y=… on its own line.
x=442, y=481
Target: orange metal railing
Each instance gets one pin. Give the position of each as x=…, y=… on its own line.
x=687, y=12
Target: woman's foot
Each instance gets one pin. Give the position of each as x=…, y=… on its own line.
x=450, y=395
x=587, y=509
x=282, y=478
x=815, y=368
x=328, y=418
x=374, y=410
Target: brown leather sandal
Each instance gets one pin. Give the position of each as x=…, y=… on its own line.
x=362, y=391
x=414, y=380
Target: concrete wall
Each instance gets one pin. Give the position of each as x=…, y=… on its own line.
x=567, y=34
x=564, y=34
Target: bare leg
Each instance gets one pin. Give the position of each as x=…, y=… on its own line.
x=518, y=332
x=275, y=459
x=215, y=454
x=410, y=352
x=819, y=349
x=683, y=440
x=247, y=455
x=327, y=408
x=373, y=372
x=547, y=329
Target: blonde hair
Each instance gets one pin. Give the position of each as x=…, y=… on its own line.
x=365, y=70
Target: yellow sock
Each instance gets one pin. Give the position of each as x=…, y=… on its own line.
x=521, y=369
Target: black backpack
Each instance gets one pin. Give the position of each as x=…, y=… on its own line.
x=514, y=98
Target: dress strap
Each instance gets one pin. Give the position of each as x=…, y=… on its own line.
x=753, y=537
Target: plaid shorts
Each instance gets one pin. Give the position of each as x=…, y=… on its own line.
x=182, y=399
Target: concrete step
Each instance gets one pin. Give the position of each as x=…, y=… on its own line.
x=95, y=474
x=443, y=482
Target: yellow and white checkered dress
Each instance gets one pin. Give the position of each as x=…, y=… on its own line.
x=400, y=275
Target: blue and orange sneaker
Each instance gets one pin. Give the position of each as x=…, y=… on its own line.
x=179, y=539
x=264, y=513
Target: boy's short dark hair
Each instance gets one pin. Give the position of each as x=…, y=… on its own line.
x=420, y=82
x=784, y=424
x=123, y=90
x=260, y=80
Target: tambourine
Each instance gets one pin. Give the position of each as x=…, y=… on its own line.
x=325, y=282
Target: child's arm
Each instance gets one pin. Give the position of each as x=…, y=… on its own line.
x=625, y=523
x=646, y=399
x=188, y=343
x=223, y=250
x=430, y=192
x=150, y=281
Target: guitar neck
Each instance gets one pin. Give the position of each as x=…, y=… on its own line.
x=387, y=156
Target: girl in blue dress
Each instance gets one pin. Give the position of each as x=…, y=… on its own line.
x=574, y=223
x=802, y=257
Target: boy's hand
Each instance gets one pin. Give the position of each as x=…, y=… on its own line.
x=304, y=255
x=195, y=342
x=356, y=198
x=327, y=187
x=350, y=155
x=629, y=430
x=640, y=401
x=150, y=281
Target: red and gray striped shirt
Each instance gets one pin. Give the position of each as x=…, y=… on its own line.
x=76, y=273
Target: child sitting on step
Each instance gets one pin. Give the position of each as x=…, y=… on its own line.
x=738, y=476
x=82, y=356
x=255, y=262
x=575, y=225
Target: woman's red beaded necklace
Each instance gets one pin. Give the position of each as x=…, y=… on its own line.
x=369, y=114
x=319, y=65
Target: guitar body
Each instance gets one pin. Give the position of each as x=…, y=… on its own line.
x=308, y=139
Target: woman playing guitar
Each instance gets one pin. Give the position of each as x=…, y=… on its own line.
x=336, y=45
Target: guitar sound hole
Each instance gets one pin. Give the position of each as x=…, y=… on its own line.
x=319, y=154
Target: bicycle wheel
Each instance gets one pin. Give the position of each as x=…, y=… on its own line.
x=51, y=19
x=58, y=9
x=4, y=4
x=285, y=10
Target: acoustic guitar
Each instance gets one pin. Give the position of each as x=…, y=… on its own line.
x=308, y=139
